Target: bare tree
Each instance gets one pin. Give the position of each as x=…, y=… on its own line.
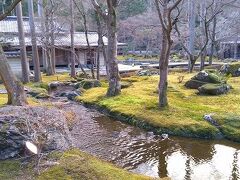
x=82, y=12
x=24, y=63
x=165, y=10
x=35, y=57
x=16, y=94
x=101, y=46
x=110, y=19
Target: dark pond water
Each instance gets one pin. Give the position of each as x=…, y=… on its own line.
x=143, y=152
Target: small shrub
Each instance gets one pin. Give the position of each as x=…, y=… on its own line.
x=180, y=79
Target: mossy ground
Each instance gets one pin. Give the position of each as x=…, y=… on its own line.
x=184, y=116
x=12, y=169
x=75, y=164
x=40, y=87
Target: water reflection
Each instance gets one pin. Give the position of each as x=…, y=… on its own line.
x=145, y=153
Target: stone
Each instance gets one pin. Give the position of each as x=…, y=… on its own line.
x=42, y=96
x=214, y=89
x=54, y=85
x=204, y=77
x=232, y=69
x=37, y=91
x=148, y=72
x=88, y=84
x=3, y=91
x=194, y=84
x=46, y=128
x=80, y=91
x=208, y=117
x=125, y=84
x=70, y=95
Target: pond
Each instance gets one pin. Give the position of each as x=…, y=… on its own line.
x=145, y=153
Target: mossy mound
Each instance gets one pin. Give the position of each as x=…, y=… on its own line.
x=38, y=92
x=88, y=84
x=125, y=84
x=231, y=125
x=214, y=89
x=205, y=77
x=232, y=69
x=75, y=164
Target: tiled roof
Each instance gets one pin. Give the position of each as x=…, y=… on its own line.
x=9, y=31
x=9, y=25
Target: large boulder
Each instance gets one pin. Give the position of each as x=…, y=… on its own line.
x=46, y=128
x=232, y=69
x=214, y=89
x=204, y=77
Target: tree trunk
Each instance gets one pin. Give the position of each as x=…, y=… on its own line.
x=41, y=15
x=89, y=47
x=203, y=59
x=113, y=72
x=48, y=39
x=100, y=45
x=235, y=55
x=111, y=63
x=191, y=24
x=192, y=63
x=24, y=61
x=73, y=70
x=163, y=66
x=37, y=72
x=16, y=94
x=213, y=41
x=53, y=52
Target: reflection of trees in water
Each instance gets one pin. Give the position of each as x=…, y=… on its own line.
x=188, y=168
x=136, y=148
x=199, y=150
x=235, y=170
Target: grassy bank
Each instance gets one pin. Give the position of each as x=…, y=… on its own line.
x=73, y=164
x=184, y=116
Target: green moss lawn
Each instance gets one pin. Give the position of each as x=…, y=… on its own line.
x=41, y=87
x=75, y=164
x=184, y=116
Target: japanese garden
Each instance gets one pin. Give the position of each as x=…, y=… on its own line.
x=119, y=89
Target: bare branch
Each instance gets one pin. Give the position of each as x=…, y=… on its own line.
x=9, y=9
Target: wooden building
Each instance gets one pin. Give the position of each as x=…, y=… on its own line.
x=231, y=48
x=9, y=40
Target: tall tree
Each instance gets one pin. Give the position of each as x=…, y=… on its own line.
x=41, y=16
x=72, y=29
x=82, y=12
x=165, y=10
x=24, y=63
x=101, y=46
x=110, y=19
x=16, y=94
x=37, y=72
x=191, y=31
